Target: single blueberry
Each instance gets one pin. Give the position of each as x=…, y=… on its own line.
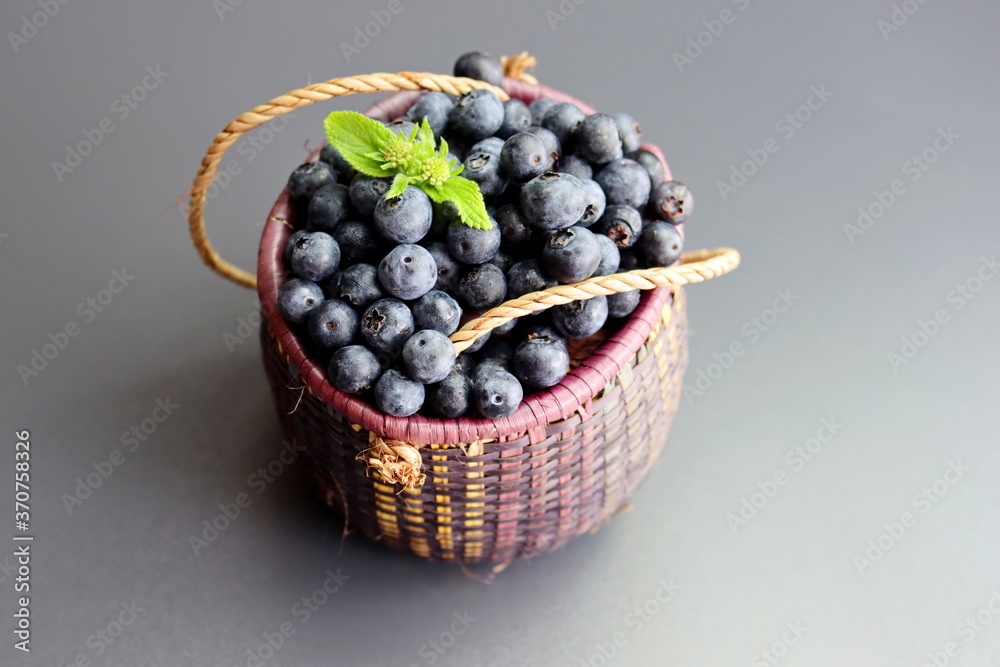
x=576, y=166
x=610, y=256
x=516, y=118
x=476, y=115
x=597, y=139
x=483, y=169
x=406, y=218
x=353, y=369
x=671, y=201
x=623, y=304
x=579, y=319
x=408, y=271
x=428, y=356
x=595, y=203
x=497, y=394
x=333, y=324
x=523, y=157
x=448, y=269
x=538, y=109
x=435, y=107
x=479, y=65
x=315, y=256
x=629, y=131
x=622, y=224
x=386, y=325
x=437, y=310
x=398, y=395
x=541, y=361
x=297, y=298
x=473, y=246
x=450, y=397
x=491, y=145
x=553, y=149
x=661, y=243
x=365, y=191
x=572, y=255
x=357, y=241
x=360, y=287
x=553, y=200
x=563, y=119
x=626, y=182
x=307, y=179
x=528, y=276
x=482, y=287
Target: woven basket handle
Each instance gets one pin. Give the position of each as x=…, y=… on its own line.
x=369, y=83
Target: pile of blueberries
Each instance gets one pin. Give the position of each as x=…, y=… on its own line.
x=380, y=283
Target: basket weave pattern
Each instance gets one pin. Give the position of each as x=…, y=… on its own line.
x=520, y=495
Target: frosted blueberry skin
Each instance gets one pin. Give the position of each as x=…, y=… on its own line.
x=359, y=285
x=476, y=115
x=437, y=310
x=553, y=200
x=579, y=319
x=597, y=139
x=596, y=203
x=563, y=119
x=629, y=131
x=358, y=242
x=671, y=201
x=576, y=166
x=652, y=165
x=473, y=246
x=297, y=298
x=482, y=287
x=623, y=304
x=610, y=256
x=450, y=397
x=333, y=324
x=353, y=369
x=327, y=208
x=497, y=394
x=572, y=255
x=523, y=157
x=516, y=118
x=365, y=191
x=541, y=361
x=386, y=325
x=307, y=179
x=480, y=65
x=483, y=169
x=661, y=243
x=398, y=395
x=407, y=272
x=405, y=218
x=433, y=106
x=315, y=256
x=428, y=356
x=625, y=181
x=622, y=224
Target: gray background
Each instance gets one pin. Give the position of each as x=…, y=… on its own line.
x=826, y=357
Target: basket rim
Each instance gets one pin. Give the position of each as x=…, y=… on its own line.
x=556, y=403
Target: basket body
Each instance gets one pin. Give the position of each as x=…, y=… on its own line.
x=495, y=490
x=524, y=493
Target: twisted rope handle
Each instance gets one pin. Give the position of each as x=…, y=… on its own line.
x=369, y=83
x=695, y=267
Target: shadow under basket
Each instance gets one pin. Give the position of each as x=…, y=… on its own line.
x=474, y=490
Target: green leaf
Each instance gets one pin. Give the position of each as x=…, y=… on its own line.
x=357, y=139
x=467, y=197
x=424, y=141
x=399, y=183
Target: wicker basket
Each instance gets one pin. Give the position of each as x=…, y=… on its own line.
x=475, y=490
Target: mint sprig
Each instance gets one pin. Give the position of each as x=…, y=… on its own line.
x=375, y=150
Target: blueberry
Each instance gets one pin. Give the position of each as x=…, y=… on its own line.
x=516, y=118
x=445, y=213
x=651, y=163
x=553, y=149
x=502, y=261
x=482, y=287
x=408, y=271
x=528, y=276
x=629, y=131
x=473, y=246
x=579, y=319
x=435, y=107
x=490, y=365
x=661, y=243
x=464, y=363
x=491, y=145
x=553, y=200
x=386, y=325
x=365, y=192
x=497, y=349
x=406, y=218
x=297, y=298
x=597, y=139
x=572, y=255
x=332, y=157
x=401, y=126
x=398, y=395
x=448, y=269
x=515, y=230
x=315, y=256
x=484, y=170
x=671, y=201
x=523, y=157
x=541, y=360
x=629, y=261
x=359, y=285
x=307, y=179
x=327, y=208
x=610, y=256
x=595, y=203
x=428, y=356
x=476, y=115
x=479, y=342
x=538, y=109
x=622, y=304
x=626, y=182
x=333, y=324
x=357, y=242
x=497, y=394
x=290, y=244
x=622, y=224
x=450, y=397
x=576, y=166
x=479, y=65
x=438, y=311
x=563, y=120
x=353, y=368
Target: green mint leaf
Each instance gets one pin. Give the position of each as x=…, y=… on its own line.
x=466, y=196
x=359, y=140
x=399, y=183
